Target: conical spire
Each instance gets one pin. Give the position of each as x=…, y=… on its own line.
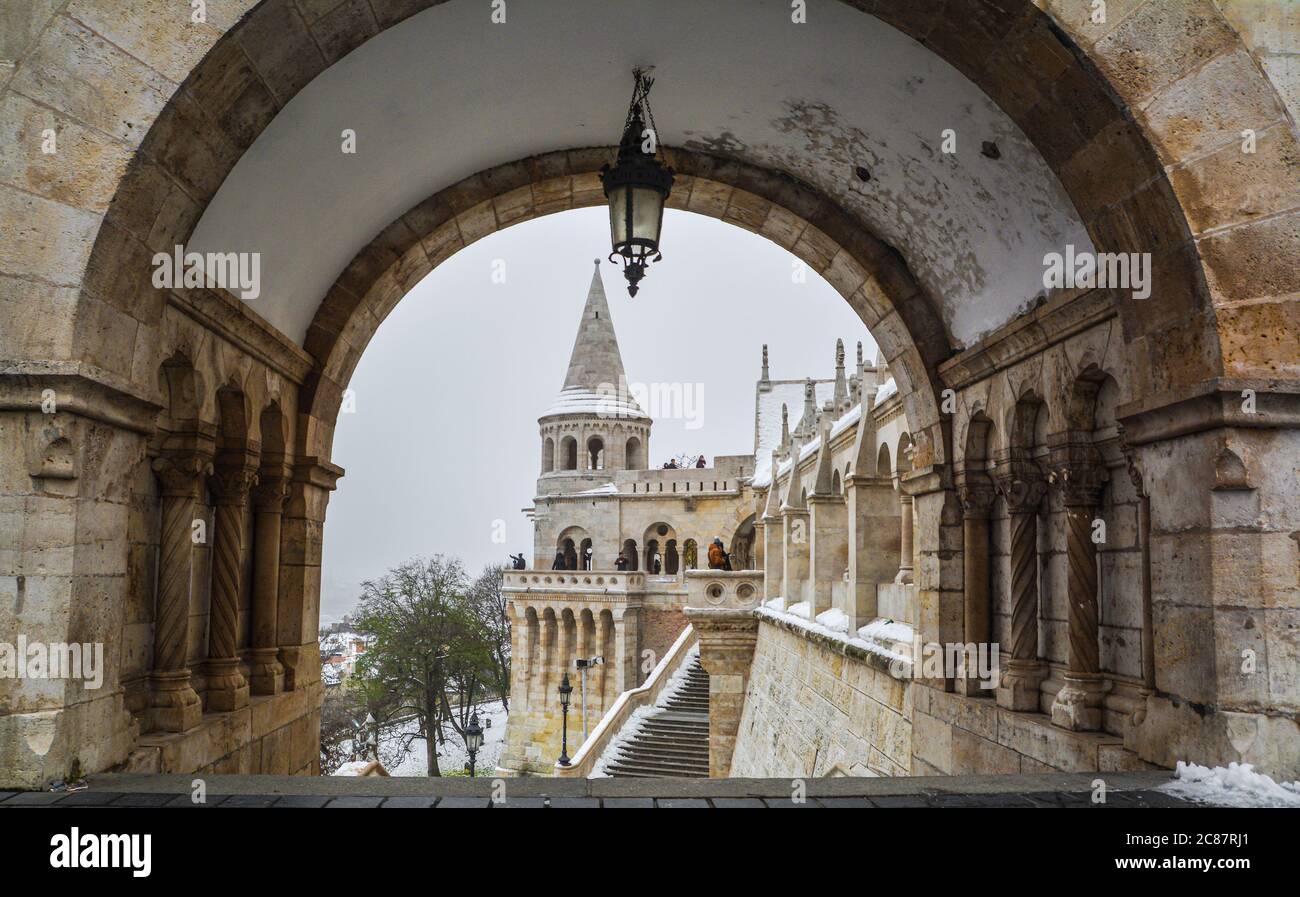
x=785, y=427
x=765, y=376
x=596, y=382
x=841, y=395
x=824, y=482
x=807, y=426
x=773, y=506
x=596, y=361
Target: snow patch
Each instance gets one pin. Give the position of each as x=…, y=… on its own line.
x=1236, y=786
x=834, y=619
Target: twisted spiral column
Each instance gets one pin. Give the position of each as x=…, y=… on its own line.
x=1081, y=584
x=266, y=673
x=227, y=688
x=174, y=705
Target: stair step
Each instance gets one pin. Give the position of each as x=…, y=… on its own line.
x=654, y=770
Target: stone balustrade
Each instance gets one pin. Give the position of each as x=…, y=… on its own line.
x=645, y=695
x=740, y=590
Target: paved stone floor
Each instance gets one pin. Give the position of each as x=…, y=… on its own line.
x=1122, y=790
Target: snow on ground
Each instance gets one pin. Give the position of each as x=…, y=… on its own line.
x=452, y=756
x=1236, y=786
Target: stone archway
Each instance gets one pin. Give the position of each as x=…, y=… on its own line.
x=155, y=114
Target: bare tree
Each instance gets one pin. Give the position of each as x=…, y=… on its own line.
x=426, y=636
x=490, y=608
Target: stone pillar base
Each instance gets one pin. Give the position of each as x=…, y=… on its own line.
x=727, y=641
x=265, y=675
x=1020, y=685
x=1078, y=704
x=174, y=705
x=227, y=689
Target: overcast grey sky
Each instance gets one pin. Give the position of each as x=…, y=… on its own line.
x=444, y=442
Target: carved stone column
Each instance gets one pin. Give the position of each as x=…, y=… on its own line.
x=627, y=648
x=1022, y=486
x=905, y=550
x=727, y=640
x=773, y=556
x=227, y=688
x=1078, y=472
x=266, y=673
x=976, y=494
x=174, y=706
x=795, y=555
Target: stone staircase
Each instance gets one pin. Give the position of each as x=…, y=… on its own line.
x=672, y=740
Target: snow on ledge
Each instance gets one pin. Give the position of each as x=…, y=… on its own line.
x=1236, y=786
x=877, y=637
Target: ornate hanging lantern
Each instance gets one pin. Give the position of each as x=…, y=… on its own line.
x=636, y=188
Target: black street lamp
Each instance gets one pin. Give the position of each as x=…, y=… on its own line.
x=473, y=740
x=565, y=690
x=636, y=188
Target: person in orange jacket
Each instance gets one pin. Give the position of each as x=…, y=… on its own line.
x=718, y=559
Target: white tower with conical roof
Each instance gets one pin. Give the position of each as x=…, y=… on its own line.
x=594, y=424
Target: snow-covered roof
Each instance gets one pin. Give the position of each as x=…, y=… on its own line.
x=885, y=390
x=767, y=429
x=762, y=478
x=596, y=382
x=580, y=400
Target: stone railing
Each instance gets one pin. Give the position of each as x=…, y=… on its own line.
x=724, y=589
x=645, y=695
x=572, y=581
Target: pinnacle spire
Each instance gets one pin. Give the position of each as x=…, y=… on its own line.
x=841, y=395
x=596, y=360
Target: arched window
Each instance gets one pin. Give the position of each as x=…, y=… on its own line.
x=548, y=455
x=836, y=488
x=595, y=453
x=691, y=554
x=629, y=552
x=670, y=558
x=570, y=554
x=569, y=453
x=633, y=454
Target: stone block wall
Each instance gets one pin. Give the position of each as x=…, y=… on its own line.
x=811, y=706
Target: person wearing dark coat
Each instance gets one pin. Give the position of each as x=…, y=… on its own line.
x=517, y=562
x=700, y=463
x=621, y=563
x=672, y=465
x=558, y=563
x=658, y=565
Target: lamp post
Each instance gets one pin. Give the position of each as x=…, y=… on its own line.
x=585, y=663
x=637, y=186
x=372, y=735
x=565, y=691
x=473, y=740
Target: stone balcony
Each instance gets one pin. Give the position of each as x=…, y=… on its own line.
x=734, y=590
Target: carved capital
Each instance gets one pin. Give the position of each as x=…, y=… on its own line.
x=271, y=493
x=1077, y=469
x=181, y=473
x=976, y=493
x=1021, y=484
x=230, y=483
